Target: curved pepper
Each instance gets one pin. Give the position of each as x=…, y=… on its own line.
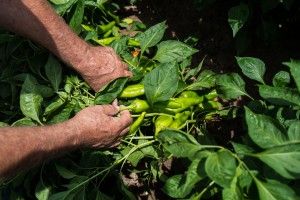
x=137, y=123
x=161, y=123
x=181, y=119
x=175, y=105
x=208, y=105
x=132, y=91
x=138, y=106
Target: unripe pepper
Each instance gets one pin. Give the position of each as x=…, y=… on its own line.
x=132, y=91
x=162, y=122
x=181, y=119
x=208, y=105
x=138, y=106
x=191, y=94
x=137, y=123
x=176, y=105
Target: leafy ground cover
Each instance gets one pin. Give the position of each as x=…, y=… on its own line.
x=176, y=148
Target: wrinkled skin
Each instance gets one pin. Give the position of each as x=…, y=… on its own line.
x=101, y=65
x=101, y=126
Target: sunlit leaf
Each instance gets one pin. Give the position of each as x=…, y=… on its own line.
x=264, y=130
x=172, y=50
x=230, y=86
x=283, y=159
x=221, y=168
x=280, y=95
x=281, y=79
x=253, y=68
x=161, y=83
x=294, y=66
x=294, y=131
x=274, y=190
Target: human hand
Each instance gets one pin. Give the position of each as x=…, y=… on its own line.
x=98, y=126
x=101, y=65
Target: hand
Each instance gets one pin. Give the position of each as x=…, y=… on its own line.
x=100, y=66
x=98, y=126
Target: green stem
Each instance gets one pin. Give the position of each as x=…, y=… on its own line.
x=204, y=190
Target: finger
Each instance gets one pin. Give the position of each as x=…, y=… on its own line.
x=125, y=118
x=128, y=73
x=125, y=66
x=124, y=131
x=115, y=104
x=109, y=110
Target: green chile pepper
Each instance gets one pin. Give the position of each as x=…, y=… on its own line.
x=191, y=94
x=137, y=123
x=161, y=123
x=181, y=119
x=175, y=105
x=208, y=105
x=211, y=94
x=132, y=91
x=138, y=106
x=106, y=27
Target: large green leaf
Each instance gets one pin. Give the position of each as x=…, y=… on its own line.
x=294, y=131
x=53, y=72
x=264, y=130
x=274, y=190
x=30, y=100
x=179, y=144
x=234, y=192
x=230, y=86
x=110, y=91
x=294, y=66
x=281, y=79
x=221, y=168
x=172, y=50
x=151, y=36
x=280, y=95
x=76, y=20
x=237, y=17
x=253, y=68
x=161, y=83
x=179, y=186
x=285, y=160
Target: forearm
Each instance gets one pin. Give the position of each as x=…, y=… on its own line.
x=24, y=147
x=36, y=20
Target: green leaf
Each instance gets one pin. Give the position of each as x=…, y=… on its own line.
x=110, y=91
x=234, y=192
x=294, y=131
x=281, y=79
x=41, y=191
x=221, y=167
x=179, y=186
x=53, y=106
x=179, y=144
x=280, y=95
x=294, y=66
x=237, y=17
x=62, y=115
x=253, y=68
x=53, y=72
x=264, y=130
x=133, y=157
x=59, y=2
x=274, y=190
x=285, y=160
x=26, y=121
x=76, y=20
x=230, y=86
x=242, y=148
x=30, y=100
x=3, y=124
x=172, y=50
x=151, y=36
x=65, y=173
x=161, y=83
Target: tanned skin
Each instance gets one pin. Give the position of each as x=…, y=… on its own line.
x=94, y=127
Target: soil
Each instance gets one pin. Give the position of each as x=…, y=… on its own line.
x=217, y=45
